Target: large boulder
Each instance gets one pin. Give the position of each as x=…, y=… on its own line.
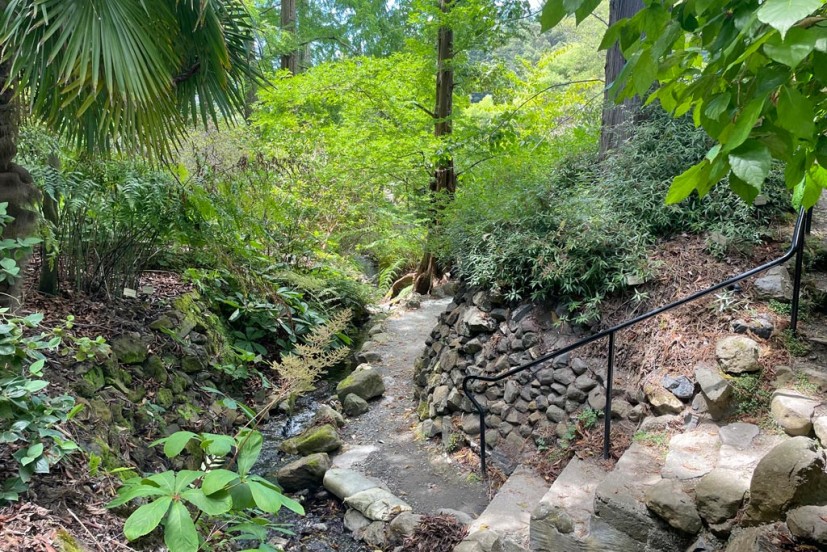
x=669, y=501
x=719, y=495
x=316, y=439
x=304, y=473
x=790, y=475
x=130, y=348
x=737, y=354
x=365, y=382
x=327, y=414
x=810, y=524
x=793, y=411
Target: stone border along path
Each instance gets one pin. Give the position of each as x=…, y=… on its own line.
x=383, y=471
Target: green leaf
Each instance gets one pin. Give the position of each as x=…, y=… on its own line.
x=180, y=534
x=792, y=50
x=644, y=72
x=783, y=14
x=184, y=477
x=553, y=12
x=214, y=505
x=751, y=162
x=796, y=113
x=249, y=451
x=736, y=134
x=146, y=518
x=717, y=106
x=175, y=443
x=128, y=493
x=585, y=9
x=217, y=480
x=745, y=191
x=266, y=499
x=217, y=445
x=165, y=480
x=684, y=183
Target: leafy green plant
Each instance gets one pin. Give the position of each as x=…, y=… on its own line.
x=752, y=398
x=13, y=250
x=29, y=418
x=795, y=345
x=186, y=500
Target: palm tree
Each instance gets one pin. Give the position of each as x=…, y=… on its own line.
x=123, y=75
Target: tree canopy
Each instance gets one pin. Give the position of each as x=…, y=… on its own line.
x=752, y=74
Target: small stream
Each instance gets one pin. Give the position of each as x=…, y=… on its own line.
x=321, y=529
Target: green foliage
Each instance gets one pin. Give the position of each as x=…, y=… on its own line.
x=133, y=76
x=580, y=233
x=752, y=398
x=28, y=416
x=191, y=503
x=796, y=346
x=12, y=250
x=752, y=75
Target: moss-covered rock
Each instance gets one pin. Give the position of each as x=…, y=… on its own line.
x=93, y=380
x=100, y=411
x=164, y=397
x=179, y=384
x=305, y=473
x=130, y=348
x=365, y=382
x=66, y=542
x=154, y=369
x=194, y=360
x=316, y=439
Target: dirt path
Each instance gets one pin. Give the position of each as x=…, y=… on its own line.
x=382, y=444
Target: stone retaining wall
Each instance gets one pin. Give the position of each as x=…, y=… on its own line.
x=479, y=334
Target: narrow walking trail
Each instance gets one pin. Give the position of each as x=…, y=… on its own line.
x=382, y=443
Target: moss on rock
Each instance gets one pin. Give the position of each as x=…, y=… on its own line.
x=316, y=439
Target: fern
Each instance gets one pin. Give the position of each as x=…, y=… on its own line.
x=388, y=274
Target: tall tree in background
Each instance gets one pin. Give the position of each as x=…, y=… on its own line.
x=290, y=59
x=444, y=180
x=127, y=75
x=617, y=118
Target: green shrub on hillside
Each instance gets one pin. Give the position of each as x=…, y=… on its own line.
x=581, y=232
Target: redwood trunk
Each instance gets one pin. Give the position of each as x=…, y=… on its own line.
x=289, y=61
x=445, y=178
x=617, y=119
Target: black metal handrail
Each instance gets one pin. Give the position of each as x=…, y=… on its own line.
x=802, y=225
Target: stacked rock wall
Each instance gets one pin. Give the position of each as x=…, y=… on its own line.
x=478, y=334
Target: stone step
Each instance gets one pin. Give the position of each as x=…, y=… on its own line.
x=562, y=519
x=507, y=518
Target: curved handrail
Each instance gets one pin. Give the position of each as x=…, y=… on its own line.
x=796, y=249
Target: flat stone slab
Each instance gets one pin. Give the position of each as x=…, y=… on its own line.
x=744, y=461
x=509, y=514
x=738, y=435
x=344, y=483
x=565, y=511
x=692, y=454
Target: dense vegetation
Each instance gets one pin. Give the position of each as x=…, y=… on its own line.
x=288, y=170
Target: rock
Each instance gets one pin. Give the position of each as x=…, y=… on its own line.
x=130, y=348
x=354, y=405
x=762, y=326
x=512, y=391
x=738, y=435
x=585, y=383
x=809, y=523
x=715, y=390
x=475, y=321
x=793, y=411
x=365, y=381
x=597, y=399
x=367, y=355
x=304, y=473
x=377, y=504
x=556, y=414
x=327, y=414
x=316, y=439
x=774, y=284
x=662, y=401
x=680, y=386
x=668, y=500
x=402, y=526
x=546, y=376
x=354, y=520
x=767, y=538
x=344, y=483
x=657, y=423
x=737, y=354
x=820, y=427
x=564, y=376
x=719, y=495
x=461, y=517
x=579, y=366
x=790, y=475
x=621, y=409
x=374, y=535
x=471, y=424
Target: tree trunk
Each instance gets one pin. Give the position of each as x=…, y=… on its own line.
x=617, y=118
x=16, y=186
x=445, y=177
x=289, y=61
x=49, y=269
